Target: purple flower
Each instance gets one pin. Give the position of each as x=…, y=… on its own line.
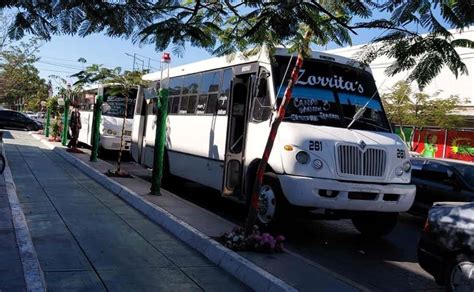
x=280, y=238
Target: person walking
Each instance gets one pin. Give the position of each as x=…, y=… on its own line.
x=75, y=125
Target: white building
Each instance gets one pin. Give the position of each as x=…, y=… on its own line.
x=445, y=82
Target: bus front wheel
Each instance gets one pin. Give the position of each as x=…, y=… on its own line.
x=374, y=224
x=272, y=203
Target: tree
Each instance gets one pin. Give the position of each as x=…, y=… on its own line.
x=20, y=80
x=122, y=83
x=224, y=27
x=405, y=107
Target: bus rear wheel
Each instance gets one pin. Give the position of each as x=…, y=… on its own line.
x=375, y=224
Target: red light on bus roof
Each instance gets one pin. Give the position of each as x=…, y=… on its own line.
x=166, y=58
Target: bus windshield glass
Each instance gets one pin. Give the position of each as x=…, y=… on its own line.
x=117, y=104
x=329, y=94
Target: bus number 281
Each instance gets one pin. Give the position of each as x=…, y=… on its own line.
x=315, y=145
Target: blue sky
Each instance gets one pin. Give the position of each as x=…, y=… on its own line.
x=59, y=56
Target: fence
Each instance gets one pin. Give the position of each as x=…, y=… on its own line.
x=440, y=143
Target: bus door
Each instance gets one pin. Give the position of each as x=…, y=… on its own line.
x=239, y=108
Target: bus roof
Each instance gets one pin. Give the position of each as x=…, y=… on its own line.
x=238, y=59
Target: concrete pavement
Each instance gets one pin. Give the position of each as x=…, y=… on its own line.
x=11, y=271
x=298, y=272
x=87, y=238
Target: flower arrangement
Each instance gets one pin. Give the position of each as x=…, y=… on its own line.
x=55, y=131
x=257, y=241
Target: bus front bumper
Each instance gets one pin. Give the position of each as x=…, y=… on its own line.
x=113, y=143
x=339, y=195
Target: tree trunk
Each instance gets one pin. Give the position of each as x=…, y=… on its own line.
x=252, y=215
x=119, y=159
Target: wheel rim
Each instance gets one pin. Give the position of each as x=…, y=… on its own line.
x=462, y=277
x=266, y=204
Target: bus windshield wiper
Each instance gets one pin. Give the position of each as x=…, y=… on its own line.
x=368, y=123
x=357, y=115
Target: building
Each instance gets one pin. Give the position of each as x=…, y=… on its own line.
x=445, y=83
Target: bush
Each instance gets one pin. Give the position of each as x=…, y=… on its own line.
x=260, y=242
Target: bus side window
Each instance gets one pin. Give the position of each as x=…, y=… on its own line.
x=192, y=104
x=183, y=106
x=262, y=104
x=208, y=92
x=201, y=105
x=225, y=92
x=174, y=101
x=175, y=86
x=211, y=103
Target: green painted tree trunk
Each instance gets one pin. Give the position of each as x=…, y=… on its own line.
x=65, y=122
x=160, y=140
x=48, y=121
x=96, y=127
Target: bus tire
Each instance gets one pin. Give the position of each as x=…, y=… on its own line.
x=375, y=224
x=273, y=204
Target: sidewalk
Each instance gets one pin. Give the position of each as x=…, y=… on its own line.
x=11, y=270
x=300, y=273
x=88, y=239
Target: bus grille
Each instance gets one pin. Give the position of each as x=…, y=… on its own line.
x=128, y=133
x=354, y=161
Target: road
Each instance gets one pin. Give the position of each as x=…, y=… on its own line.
x=388, y=264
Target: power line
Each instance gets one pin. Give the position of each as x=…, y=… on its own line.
x=68, y=72
x=60, y=65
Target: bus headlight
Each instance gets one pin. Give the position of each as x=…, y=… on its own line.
x=302, y=157
x=110, y=132
x=406, y=166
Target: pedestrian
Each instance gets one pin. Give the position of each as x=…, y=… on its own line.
x=75, y=126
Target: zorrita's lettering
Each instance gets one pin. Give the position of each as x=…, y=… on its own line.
x=335, y=81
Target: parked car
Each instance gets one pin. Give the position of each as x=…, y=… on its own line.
x=30, y=114
x=446, y=245
x=441, y=180
x=17, y=120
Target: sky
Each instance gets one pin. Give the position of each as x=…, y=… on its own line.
x=60, y=55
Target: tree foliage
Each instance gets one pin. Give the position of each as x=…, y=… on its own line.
x=227, y=26
x=19, y=78
x=405, y=107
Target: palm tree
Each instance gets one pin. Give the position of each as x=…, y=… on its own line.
x=121, y=83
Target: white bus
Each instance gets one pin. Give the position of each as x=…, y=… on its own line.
x=112, y=120
x=220, y=113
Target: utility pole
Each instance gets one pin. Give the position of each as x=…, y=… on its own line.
x=160, y=134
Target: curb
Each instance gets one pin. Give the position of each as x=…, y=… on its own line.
x=34, y=277
x=236, y=265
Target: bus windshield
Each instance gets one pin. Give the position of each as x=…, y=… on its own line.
x=117, y=104
x=329, y=94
